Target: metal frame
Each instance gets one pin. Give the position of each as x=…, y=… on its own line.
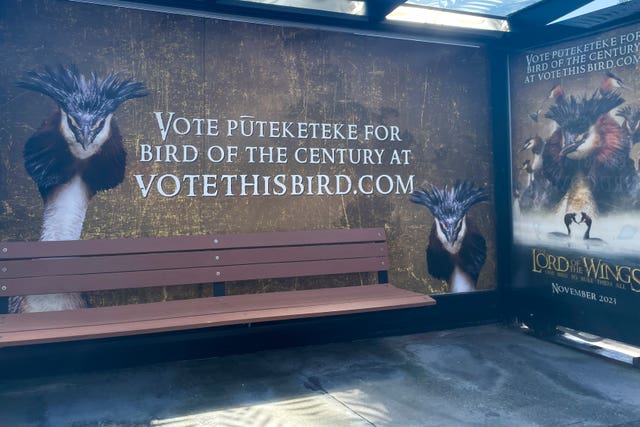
x=528, y=26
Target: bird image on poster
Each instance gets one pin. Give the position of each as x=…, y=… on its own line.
x=76, y=152
x=631, y=122
x=456, y=251
x=582, y=171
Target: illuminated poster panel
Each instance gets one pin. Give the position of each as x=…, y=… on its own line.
x=576, y=201
x=228, y=127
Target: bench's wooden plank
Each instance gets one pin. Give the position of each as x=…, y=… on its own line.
x=194, y=307
x=205, y=321
x=141, y=279
x=18, y=250
x=60, y=266
x=188, y=314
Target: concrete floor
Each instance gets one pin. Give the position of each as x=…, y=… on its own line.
x=487, y=375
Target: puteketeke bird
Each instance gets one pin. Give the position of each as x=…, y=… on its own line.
x=515, y=207
x=75, y=153
x=584, y=217
x=597, y=173
x=536, y=145
x=557, y=93
x=526, y=167
x=610, y=83
x=568, y=219
x=545, y=191
x=535, y=116
x=631, y=122
x=456, y=250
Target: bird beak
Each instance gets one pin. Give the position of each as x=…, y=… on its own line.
x=86, y=137
x=449, y=234
x=571, y=144
x=526, y=145
x=569, y=149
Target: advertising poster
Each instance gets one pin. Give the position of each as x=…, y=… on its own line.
x=576, y=201
x=131, y=123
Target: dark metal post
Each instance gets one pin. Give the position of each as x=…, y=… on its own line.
x=383, y=277
x=219, y=289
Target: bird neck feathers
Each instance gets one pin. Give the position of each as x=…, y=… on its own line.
x=460, y=281
x=64, y=211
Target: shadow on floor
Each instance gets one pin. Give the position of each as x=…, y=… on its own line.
x=486, y=375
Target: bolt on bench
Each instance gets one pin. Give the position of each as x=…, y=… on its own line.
x=39, y=268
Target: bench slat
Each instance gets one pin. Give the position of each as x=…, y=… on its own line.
x=192, y=307
x=201, y=313
x=141, y=279
x=18, y=250
x=60, y=266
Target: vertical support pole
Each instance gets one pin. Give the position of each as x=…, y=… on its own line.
x=219, y=289
x=501, y=131
x=383, y=277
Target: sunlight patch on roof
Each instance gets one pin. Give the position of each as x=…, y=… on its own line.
x=423, y=15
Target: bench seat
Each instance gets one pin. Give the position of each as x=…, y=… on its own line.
x=37, y=268
x=34, y=328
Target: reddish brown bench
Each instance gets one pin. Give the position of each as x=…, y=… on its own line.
x=37, y=268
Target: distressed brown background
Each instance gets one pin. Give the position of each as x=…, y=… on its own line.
x=209, y=68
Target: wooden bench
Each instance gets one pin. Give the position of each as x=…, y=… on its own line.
x=38, y=268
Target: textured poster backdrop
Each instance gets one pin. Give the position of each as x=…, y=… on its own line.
x=252, y=127
x=576, y=116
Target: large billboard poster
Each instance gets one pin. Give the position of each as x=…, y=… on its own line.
x=131, y=123
x=575, y=151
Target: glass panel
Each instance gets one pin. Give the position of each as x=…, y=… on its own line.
x=423, y=15
x=351, y=7
x=588, y=8
x=502, y=8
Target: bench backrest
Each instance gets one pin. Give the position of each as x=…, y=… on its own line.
x=36, y=268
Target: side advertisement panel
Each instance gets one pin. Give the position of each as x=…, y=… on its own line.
x=576, y=201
